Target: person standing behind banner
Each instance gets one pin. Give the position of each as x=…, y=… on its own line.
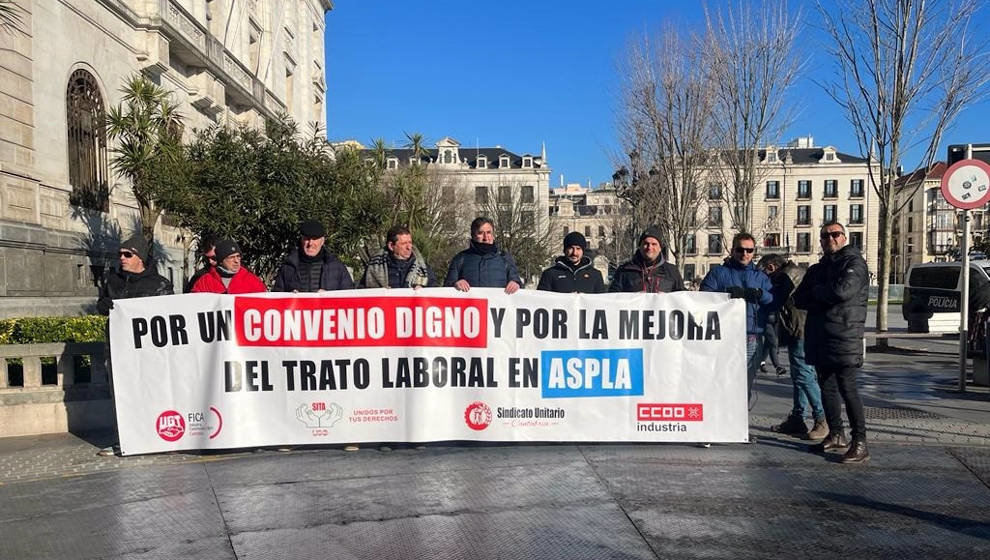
x=399, y=265
x=207, y=246
x=834, y=292
x=482, y=265
x=647, y=271
x=573, y=272
x=134, y=279
x=228, y=276
x=310, y=267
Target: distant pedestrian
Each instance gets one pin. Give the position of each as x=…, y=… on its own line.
x=770, y=341
x=398, y=265
x=229, y=276
x=310, y=267
x=572, y=272
x=834, y=292
x=483, y=265
x=647, y=271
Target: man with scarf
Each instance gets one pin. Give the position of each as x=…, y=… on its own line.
x=647, y=271
x=482, y=265
x=399, y=265
x=740, y=278
x=572, y=272
x=309, y=267
x=228, y=276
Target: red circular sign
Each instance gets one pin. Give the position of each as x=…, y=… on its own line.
x=170, y=425
x=966, y=184
x=478, y=416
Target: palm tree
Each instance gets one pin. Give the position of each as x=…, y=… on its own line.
x=148, y=129
x=416, y=141
x=10, y=17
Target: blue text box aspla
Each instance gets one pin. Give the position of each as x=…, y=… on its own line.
x=591, y=373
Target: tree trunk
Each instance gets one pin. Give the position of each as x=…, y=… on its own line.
x=883, y=275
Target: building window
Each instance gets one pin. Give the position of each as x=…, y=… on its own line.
x=829, y=214
x=856, y=188
x=803, y=243
x=911, y=205
x=856, y=239
x=601, y=232
x=527, y=162
x=392, y=163
x=448, y=156
x=504, y=194
x=773, y=190
x=482, y=162
x=87, y=143
x=527, y=194
x=855, y=213
x=714, y=191
x=831, y=188
x=830, y=157
x=587, y=231
x=804, y=215
x=910, y=224
x=565, y=231
x=689, y=272
x=771, y=156
x=503, y=161
x=690, y=245
x=714, y=216
x=804, y=189
x=771, y=240
x=528, y=219
x=254, y=45
x=481, y=195
x=772, y=211
x=714, y=244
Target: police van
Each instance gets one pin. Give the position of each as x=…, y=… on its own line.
x=931, y=294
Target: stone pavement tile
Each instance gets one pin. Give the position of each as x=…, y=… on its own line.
x=597, y=532
x=977, y=460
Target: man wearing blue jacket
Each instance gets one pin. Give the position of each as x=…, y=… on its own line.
x=483, y=265
x=740, y=278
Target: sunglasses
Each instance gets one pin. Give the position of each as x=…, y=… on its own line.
x=745, y=249
x=126, y=254
x=832, y=234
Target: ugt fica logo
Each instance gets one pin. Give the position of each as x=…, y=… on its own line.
x=478, y=416
x=319, y=414
x=171, y=425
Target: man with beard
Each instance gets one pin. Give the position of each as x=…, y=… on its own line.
x=399, y=265
x=647, y=271
x=572, y=272
x=482, y=265
x=310, y=267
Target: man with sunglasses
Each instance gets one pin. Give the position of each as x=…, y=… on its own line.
x=135, y=278
x=834, y=292
x=740, y=278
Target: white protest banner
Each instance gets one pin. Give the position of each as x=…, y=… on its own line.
x=206, y=371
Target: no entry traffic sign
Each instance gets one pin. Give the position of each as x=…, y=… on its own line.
x=966, y=184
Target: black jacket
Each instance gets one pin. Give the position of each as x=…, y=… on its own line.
x=118, y=284
x=483, y=267
x=333, y=274
x=635, y=276
x=566, y=278
x=834, y=292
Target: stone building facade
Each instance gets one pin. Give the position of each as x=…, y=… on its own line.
x=62, y=209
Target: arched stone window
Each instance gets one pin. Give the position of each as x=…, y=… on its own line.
x=87, y=143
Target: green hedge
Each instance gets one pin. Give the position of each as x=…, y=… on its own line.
x=33, y=330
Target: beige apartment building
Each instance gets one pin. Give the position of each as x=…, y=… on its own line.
x=227, y=62
x=802, y=186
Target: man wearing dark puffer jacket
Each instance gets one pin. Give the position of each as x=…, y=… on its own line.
x=310, y=267
x=647, y=271
x=482, y=265
x=134, y=279
x=572, y=272
x=834, y=292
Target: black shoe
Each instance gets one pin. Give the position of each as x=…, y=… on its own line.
x=858, y=453
x=793, y=426
x=831, y=441
x=781, y=371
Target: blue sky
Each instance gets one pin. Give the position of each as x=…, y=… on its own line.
x=520, y=73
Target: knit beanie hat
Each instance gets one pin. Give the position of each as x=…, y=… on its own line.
x=138, y=245
x=312, y=228
x=226, y=248
x=575, y=238
x=651, y=232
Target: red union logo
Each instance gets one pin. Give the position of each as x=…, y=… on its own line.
x=171, y=426
x=670, y=412
x=478, y=416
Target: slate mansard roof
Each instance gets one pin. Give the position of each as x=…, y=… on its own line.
x=469, y=155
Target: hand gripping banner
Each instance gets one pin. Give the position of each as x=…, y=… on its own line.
x=206, y=371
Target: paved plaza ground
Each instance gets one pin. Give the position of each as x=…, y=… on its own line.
x=924, y=494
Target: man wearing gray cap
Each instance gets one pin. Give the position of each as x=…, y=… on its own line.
x=309, y=267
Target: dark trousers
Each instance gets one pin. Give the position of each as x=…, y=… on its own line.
x=841, y=381
x=770, y=343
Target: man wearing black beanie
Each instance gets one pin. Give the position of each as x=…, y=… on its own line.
x=134, y=278
x=572, y=271
x=647, y=271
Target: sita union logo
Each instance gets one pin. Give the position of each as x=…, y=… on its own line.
x=171, y=426
x=478, y=416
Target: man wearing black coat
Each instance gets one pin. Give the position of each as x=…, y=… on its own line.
x=834, y=292
x=310, y=267
x=573, y=272
x=647, y=271
x=134, y=278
